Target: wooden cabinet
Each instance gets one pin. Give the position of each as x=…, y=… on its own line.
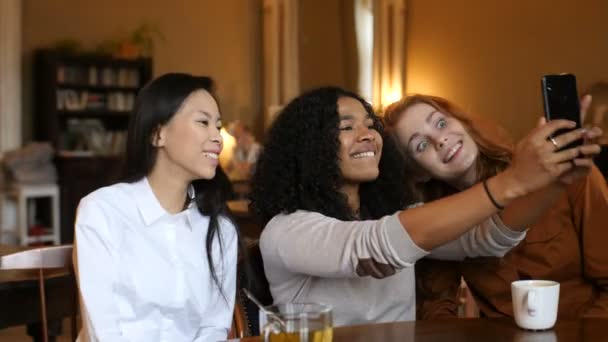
x=82, y=106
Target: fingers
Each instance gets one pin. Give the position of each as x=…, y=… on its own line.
x=568, y=137
x=562, y=156
x=547, y=130
x=386, y=269
x=585, y=163
x=578, y=172
x=585, y=103
x=580, y=156
x=593, y=133
x=562, y=168
x=541, y=121
x=363, y=268
x=369, y=267
x=590, y=150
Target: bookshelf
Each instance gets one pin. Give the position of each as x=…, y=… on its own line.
x=82, y=106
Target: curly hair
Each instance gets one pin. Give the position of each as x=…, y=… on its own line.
x=494, y=156
x=298, y=168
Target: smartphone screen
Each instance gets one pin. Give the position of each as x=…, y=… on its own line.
x=561, y=100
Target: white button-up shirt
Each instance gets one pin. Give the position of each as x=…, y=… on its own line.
x=143, y=273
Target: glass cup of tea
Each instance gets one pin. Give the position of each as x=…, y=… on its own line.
x=297, y=322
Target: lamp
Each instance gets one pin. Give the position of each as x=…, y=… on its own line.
x=392, y=94
x=229, y=142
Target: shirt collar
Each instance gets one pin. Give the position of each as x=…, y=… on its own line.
x=192, y=211
x=149, y=207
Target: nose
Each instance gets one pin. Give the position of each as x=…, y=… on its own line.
x=441, y=142
x=365, y=134
x=215, y=135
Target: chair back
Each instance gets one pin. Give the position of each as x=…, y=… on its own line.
x=252, y=277
x=40, y=259
x=37, y=258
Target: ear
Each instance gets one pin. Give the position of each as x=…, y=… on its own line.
x=158, y=136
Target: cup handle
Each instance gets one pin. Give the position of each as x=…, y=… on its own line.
x=532, y=302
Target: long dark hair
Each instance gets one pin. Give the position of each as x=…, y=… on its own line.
x=156, y=104
x=298, y=168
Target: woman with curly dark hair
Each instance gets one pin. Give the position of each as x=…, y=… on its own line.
x=334, y=229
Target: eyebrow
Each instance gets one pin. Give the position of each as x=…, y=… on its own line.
x=219, y=117
x=429, y=118
x=346, y=117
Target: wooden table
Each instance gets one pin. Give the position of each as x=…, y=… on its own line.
x=20, y=297
x=469, y=330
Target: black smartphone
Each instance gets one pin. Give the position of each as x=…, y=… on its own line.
x=561, y=101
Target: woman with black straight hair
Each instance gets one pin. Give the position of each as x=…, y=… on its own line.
x=156, y=255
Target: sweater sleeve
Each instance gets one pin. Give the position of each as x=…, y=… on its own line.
x=313, y=244
x=490, y=238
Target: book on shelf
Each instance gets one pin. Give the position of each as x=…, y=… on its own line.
x=74, y=100
x=98, y=76
x=89, y=136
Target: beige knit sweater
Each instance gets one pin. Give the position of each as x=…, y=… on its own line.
x=309, y=257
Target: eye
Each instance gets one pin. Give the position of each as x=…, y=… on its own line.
x=370, y=124
x=346, y=128
x=204, y=122
x=442, y=123
x=422, y=146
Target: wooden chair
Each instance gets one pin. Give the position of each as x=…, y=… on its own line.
x=251, y=276
x=41, y=259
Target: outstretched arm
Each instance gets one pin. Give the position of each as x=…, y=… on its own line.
x=535, y=165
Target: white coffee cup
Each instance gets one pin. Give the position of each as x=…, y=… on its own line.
x=535, y=303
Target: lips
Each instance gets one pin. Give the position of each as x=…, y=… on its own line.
x=364, y=150
x=367, y=154
x=452, y=152
x=212, y=155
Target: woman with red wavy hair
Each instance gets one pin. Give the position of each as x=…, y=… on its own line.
x=567, y=236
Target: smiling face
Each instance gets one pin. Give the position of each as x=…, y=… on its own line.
x=190, y=143
x=439, y=144
x=360, y=143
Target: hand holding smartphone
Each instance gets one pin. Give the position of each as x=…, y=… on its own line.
x=560, y=98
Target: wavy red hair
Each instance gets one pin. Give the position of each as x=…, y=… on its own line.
x=494, y=156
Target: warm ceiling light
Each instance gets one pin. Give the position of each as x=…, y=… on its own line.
x=229, y=143
x=390, y=96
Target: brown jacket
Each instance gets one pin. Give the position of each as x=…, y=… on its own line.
x=569, y=244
